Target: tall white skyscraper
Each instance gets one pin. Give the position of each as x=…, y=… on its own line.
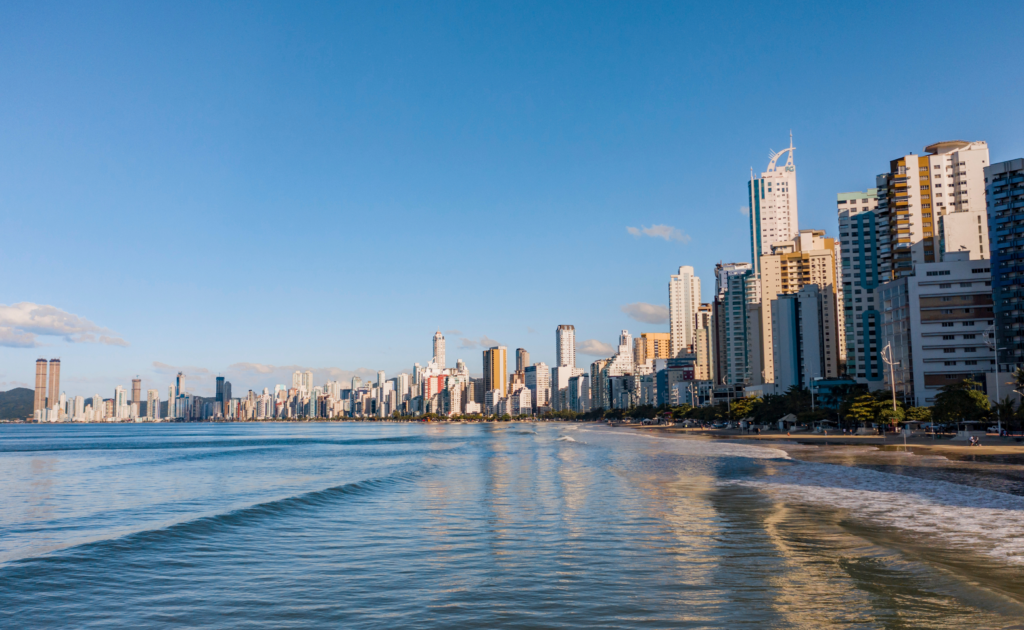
x=683, y=302
x=297, y=380
x=773, y=212
x=565, y=348
x=307, y=381
x=153, y=404
x=439, y=349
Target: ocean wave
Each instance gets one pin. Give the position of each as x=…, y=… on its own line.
x=955, y=515
x=202, y=526
x=565, y=438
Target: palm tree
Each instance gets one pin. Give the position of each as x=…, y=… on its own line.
x=1003, y=411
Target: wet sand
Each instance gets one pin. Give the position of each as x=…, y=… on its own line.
x=943, y=445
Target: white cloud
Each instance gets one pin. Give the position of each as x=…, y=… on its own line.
x=595, y=348
x=647, y=313
x=666, y=232
x=21, y=323
x=745, y=211
x=482, y=342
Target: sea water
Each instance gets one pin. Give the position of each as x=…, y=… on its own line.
x=359, y=525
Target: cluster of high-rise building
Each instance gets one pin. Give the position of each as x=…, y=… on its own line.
x=922, y=288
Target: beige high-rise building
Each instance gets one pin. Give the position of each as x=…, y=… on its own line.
x=683, y=302
x=652, y=346
x=807, y=259
x=136, y=390
x=54, y=390
x=703, y=344
x=39, y=402
x=496, y=369
x=522, y=359
x=935, y=201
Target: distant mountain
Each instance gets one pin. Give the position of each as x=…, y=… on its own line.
x=16, y=404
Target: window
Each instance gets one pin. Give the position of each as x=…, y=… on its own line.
x=950, y=362
x=969, y=336
x=970, y=349
x=938, y=273
x=970, y=363
x=980, y=270
x=947, y=324
x=947, y=299
x=949, y=350
x=948, y=337
x=965, y=284
x=968, y=323
x=945, y=286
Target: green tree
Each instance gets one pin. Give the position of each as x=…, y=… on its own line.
x=1003, y=411
x=861, y=409
x=887, y=415
x=960, y=402
x=743, y=408
x=918, y=414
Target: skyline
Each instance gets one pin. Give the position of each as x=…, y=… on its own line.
x=304, y=223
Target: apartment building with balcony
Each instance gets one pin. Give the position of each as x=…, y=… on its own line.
x=939, y=325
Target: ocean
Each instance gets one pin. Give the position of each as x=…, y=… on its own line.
x=360, y=525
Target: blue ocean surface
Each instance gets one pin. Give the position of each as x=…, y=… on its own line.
x=359, y=525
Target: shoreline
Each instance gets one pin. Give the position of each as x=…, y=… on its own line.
x=991, y=445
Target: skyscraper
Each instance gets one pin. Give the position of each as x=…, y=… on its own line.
x=683, y=301
x=220, y=394
x=178, y=391
x=297, y=380
x=54, y=394
x=934, y=203
x=1005, y=214
x=439, y=349
x=863, y=234
x=307, y=381
x=495, y=368
x=522, y=359
x=773, y=210
x=565, y=345
x=652, y=346
x=730, y=320
x=807, y=259
x=39, y=402
x=704, y=369
x=153, y=404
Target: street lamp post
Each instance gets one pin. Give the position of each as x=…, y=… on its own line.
x=999, y=411
x=887, y=357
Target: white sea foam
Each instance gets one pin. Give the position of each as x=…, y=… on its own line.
x=565, y=438
x=956, y=515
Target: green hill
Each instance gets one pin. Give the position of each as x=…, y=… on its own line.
x=16, y=404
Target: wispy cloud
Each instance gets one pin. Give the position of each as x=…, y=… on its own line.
x=647, y=313
x=453, y=332
x=482, y=342
x=745, y=211
x=666, y=232
x=22, y=323
x=595, y=348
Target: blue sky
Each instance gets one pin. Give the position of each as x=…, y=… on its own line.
x=247, y=188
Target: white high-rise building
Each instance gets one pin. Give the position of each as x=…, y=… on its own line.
x=773, y=211
x=565, y=346
x=538, y=381
x=153, y=404
x=171, y=395
x=307, y=381
x=683, y=302
x=439, y=350
x=121, y=410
